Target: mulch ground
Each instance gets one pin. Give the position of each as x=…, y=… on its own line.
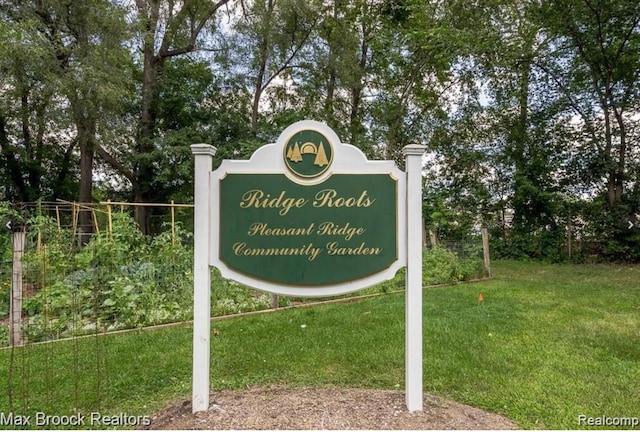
x=278, y=407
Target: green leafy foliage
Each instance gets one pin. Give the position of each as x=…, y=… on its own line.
x=521, y=103
x=229, y=297
x=440, y=265
x=5, y=261
x=118, y=280
x=123, y=279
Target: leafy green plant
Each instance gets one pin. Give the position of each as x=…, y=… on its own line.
x=123, y=279
x=5, y=296
x=120, y=279
x=438, y=266
x=4, y=335
x=441, y=265
x=229, y=297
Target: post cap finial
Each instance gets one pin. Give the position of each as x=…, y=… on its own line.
x=413, y=150
x=203, y=149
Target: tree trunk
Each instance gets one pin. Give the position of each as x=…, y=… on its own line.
x=622, y=156
x=17, y=189
x=331, y=71
x=355, y=126
x=519, y=138
x=255, y=108
x=86, y=128
x=175, y=25
x=264, y=49
x=31, y=166
x=145, y=171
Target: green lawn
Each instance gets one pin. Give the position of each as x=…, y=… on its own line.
x=547, y=344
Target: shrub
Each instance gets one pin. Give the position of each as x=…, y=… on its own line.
x=440, y=266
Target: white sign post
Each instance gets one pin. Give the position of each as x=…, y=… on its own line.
x=413, y=281
x=275, y=160
x=201, y=276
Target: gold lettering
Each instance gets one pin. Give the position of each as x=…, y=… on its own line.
x=241, y=249
x=334, y=248
x=256, y=198
x=263, y=229
x=330, y=198
x=251, y=198
x=347, y=231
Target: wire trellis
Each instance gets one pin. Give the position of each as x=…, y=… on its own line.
x=72, y=287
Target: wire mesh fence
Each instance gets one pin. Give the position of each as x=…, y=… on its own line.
x=67, y=280
x=5, y=298
x=87, y=271
x=116, y=278
x=459, y=256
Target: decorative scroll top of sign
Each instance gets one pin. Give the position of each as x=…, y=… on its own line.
x=308, y=216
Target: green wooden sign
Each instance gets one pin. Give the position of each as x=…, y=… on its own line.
x=278, y=230
x=307, y=216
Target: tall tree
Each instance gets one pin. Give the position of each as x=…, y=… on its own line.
x=27, y=89
x=522, y=110
x=601, y=41
x=339, y=71
x=498, y=145
x=597, y=68
x=73, y=50
x=166, y=29
x=91, y=78
x=269, y=39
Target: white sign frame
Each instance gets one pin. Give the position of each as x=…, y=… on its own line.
x=347, y=160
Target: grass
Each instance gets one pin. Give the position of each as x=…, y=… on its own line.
x=547, y=344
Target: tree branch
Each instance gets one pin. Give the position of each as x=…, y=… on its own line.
x=109, y=159
x=165, y=52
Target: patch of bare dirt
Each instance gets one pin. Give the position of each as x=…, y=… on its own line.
x=327, y=408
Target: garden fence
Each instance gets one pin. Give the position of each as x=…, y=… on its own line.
x=85, y=281
x=61, y=279
x=122, y=279
x=72, y=284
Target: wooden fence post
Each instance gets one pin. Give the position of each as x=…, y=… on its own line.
x=485, y=250
x=95, y=220
x=74, y=224
x=58, y=219
x=109, y=219
x=433, y=238
x=173, y=223
x=15, y=312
